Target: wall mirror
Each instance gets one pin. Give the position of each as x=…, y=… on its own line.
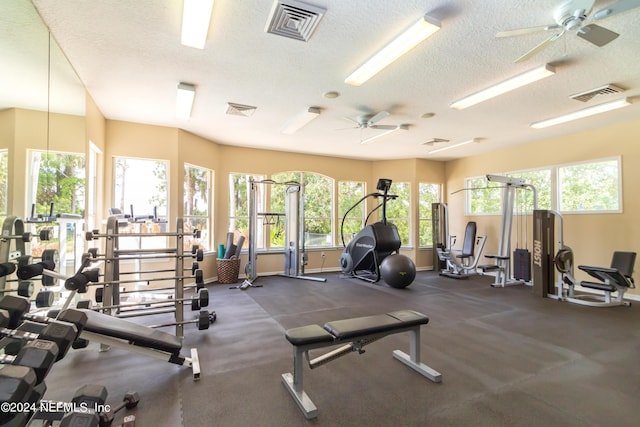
x=42, y=101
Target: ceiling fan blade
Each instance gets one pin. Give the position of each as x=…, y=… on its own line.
x=377, y=117
x=615, y=8
x=539, y=47
x=382, y=127
x=597, y=35
x=523, y=31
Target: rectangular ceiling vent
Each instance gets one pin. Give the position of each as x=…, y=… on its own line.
x=293, y=19
x=240, y=109
x=602, y=90
x=434, y=141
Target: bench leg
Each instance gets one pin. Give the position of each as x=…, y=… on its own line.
x=293, y=383
x=413, y=360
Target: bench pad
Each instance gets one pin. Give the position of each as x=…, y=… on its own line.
x=340, y=330
x=134, y=333
x=310, y=334
x=381, y=323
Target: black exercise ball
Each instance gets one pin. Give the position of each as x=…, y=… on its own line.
x=398, y=271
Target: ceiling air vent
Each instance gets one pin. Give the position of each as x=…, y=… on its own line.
x=602, y=90
x=434, y=141
x=240, y=109
x=293, y=19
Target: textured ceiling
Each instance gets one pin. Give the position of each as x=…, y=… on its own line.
x=129, y=57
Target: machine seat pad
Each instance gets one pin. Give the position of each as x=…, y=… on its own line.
x=310, y=334
x=599, y=286
x=381, y=323
x=134, y=333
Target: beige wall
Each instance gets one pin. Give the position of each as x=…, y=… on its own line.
x=593, y=237
x=605, y=233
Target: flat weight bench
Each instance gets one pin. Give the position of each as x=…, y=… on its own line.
x=115, y=332
x=358, y=332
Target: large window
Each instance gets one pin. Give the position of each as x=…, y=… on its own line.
x=239, y=192
x=349, y=193
x=197, y=203
x=141, y=187
x=590, y=187
x=427, y=194
x=483, y=197
x=318, y=207
x=4, y=183
x=398, y=210
x=541, y=180
x=593, y=186
x=56, y=178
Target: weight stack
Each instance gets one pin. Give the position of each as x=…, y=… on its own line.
x=522, y=265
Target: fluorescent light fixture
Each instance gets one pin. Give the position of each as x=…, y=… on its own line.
x=301, y=120
x=406, y=41
x=520, y=80
x=196, y=16
x=460, y=144
x=585, y=112
x=385, y=133
x=184, y=100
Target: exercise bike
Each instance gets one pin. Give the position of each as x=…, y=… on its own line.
x=374, y=252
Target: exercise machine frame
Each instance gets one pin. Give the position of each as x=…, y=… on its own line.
x=502, y=265
x=295, y=257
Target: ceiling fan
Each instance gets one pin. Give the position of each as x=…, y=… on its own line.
x=574, y=16
x=368, y=121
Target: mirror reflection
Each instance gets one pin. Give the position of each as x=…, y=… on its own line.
x=42, y=107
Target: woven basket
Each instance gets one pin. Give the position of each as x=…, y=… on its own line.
x=228, y=270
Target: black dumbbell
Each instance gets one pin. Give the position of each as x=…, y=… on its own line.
x=40, y=355
x=205, y=318
x=61, y=333
x=25, y=237
x=45, y=298
x=79, y=281
x=129, y=401
x=25, y=289
x=201, y=300
x=12, y=310
x=16, y=385
x=28, y=271
x=80, y=419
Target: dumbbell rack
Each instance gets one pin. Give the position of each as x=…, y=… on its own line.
x=113, y=255
x=13, y=231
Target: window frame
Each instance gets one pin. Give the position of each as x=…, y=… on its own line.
x=340, y=214
x=618, y=161
x=425, y=213
x=207, y=232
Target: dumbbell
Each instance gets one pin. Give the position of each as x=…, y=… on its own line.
x=61, y=333
x=40, y=355
x=25, y=287
x=79, y=281
x=16, y=385
x=129, y=401
x=12, y=310
x=25, y=237
x=87, y=397
x=7, y=268
x=201, y=300
x=29, y=271
x=203, y=320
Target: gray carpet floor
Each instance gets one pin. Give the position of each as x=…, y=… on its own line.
x=507, y=358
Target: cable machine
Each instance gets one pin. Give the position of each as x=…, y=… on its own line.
x=502, y=265
x=295, y=257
